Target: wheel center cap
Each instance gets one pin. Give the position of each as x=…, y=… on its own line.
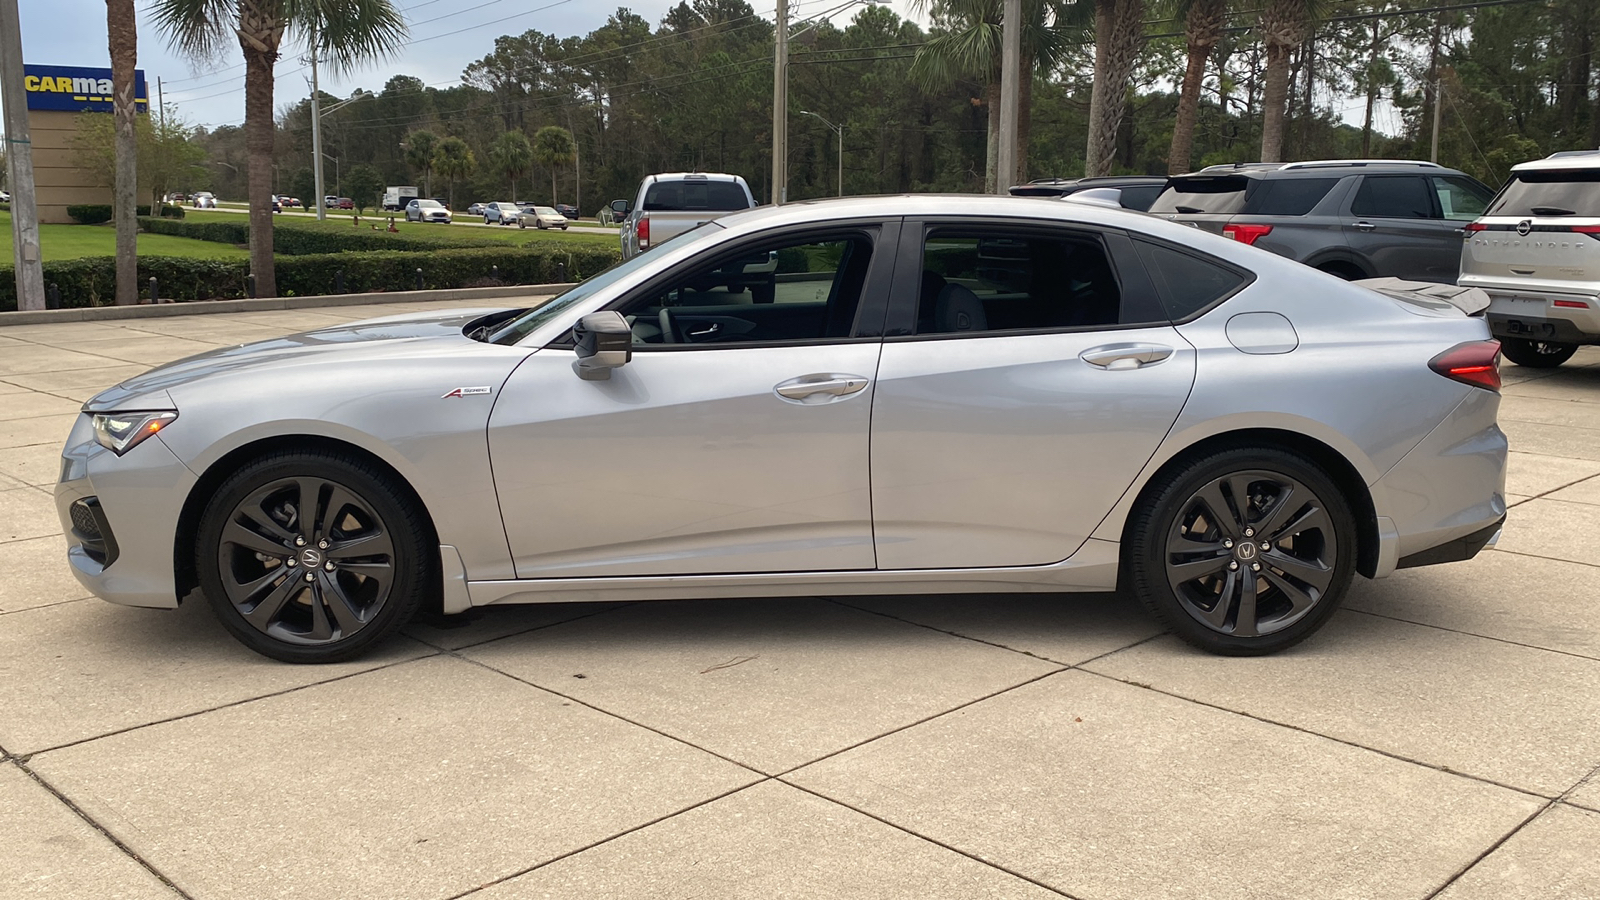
x=1245, y=551
x=310, y=557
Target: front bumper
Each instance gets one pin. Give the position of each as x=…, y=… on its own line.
x=135, y=501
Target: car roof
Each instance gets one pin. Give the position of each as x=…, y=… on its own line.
x=938, y=206
x=1318, y=167
x=1567, y=159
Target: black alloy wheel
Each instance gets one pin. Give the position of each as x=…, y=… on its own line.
x=311, y=557
x=1245, y=552
x=1536, y=354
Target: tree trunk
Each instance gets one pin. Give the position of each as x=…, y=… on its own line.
x=1204, y=27
x=259, y=35
x=1104, y=16
x=1372, y=92
x=553, y=199
x=123, y=35
x=1282, y=24
x=1120, y=43
x=1024, y=118
x=991, y=153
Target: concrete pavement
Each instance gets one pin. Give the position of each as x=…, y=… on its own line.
x=1440, y=738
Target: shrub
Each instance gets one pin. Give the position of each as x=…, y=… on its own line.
x=292, y=241
x=90, y=213
x=91, y=281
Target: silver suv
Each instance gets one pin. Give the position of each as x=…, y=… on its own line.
x=1354, y=218
x=1536, y=252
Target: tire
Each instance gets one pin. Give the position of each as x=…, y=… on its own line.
x=1184, y=565
x=1342, y=270
x=252, y=550
x=1536, y=354
x=521, y=224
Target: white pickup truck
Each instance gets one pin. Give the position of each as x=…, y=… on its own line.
x=667, y=205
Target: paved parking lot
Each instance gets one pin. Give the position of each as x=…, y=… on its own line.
x=1439, y=738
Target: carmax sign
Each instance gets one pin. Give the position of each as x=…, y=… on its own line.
x=76, y=89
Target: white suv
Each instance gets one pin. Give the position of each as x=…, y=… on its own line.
x=1536, y=251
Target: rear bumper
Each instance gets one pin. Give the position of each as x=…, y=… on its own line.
x=1465, y=547
x=1558, y=331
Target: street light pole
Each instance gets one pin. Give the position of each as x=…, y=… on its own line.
x=19, y=157
x=780, y=108
x=316, y=133
x=839, y=130
x=1010, y=89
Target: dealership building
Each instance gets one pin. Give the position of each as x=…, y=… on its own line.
x=57, y=96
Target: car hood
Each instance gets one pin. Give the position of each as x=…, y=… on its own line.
x=391, y=336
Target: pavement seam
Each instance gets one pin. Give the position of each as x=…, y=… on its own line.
x=513, y=634
x=105, y=832
x=608, y=839
x=12, y=612
x=1317, y=734
x=1487, y=637
x=1548, y=558
x=935, y=841
x=221, y=706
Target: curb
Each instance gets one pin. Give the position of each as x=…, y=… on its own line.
x=203, y=307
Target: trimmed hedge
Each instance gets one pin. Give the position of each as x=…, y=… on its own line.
x=97, y=213
x=289, y=241
x=91, y=281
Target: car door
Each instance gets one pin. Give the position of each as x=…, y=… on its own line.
x=734, y=440
x=1396, y=223
x=1028, y=374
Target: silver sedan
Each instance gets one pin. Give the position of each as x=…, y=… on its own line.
x=937, y=394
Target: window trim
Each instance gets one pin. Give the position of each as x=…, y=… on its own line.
x=883, y=234
x=901, y=324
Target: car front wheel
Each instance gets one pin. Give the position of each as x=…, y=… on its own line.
x=1242, y=552
x=312, y=557
x=1536, y=354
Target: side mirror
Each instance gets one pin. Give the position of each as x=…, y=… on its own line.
x=620, y=207
x=604, y=342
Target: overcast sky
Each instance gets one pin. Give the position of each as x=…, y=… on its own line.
x=446, y=35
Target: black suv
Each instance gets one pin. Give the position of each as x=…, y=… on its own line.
x=1351, y=218
x=1137, y=192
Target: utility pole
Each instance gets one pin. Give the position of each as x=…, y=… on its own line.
x=19, y=157
x=1438, y=104
x=1010, y=94
x=780, y=108
x=316, y=132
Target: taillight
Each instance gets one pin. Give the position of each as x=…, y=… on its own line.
x=643, y=233
x=1476, y=363
x=1591, y=230
x=1570, y=304
x=1474, y=227
x=1246, y=234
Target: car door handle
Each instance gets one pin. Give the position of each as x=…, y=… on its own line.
x=1125, y=356
x=1364, y=226
x=820, y=387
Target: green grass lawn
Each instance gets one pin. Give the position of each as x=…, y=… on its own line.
x=488, y=237
x=74, y=241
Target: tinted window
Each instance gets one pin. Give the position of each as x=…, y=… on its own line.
x=986, y=281
x=1203, y=194
x=1461, y=199
x=680, y=196
x=796, y=290
x=1140, y=198
x=1288, y=196
x=1187, y=283
x=1577, y=190
x=1393, y=197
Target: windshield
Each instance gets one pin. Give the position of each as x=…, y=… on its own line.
x=429, y=204
x=544, y=211
x=530, y=321
x=1560, y=192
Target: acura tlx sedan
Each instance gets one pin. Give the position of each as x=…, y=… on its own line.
x=938, y=394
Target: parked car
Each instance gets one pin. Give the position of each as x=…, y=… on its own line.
x=1351, y=218
x=947, y=393
x=427, y=211
x=568, y=210
x=475, y=209
x=1534, y=252
x=542, y=217
x=667, y=205
x=204, y=200
x=330, y=202
x=1135, y=192
x=501, y=212
x=346, y=203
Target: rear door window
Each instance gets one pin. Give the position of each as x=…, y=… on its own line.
x=1460, y=199
x=1559, y=192
x=1394, y=197
x=1217, y=194
x=695, y=196
x=1288, y=196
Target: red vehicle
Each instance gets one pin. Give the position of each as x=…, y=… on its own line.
x=346, y=203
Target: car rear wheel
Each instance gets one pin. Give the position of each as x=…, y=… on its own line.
x=1536, y=354
x=1346, y=271
x=1243, y=552
x=312, y=557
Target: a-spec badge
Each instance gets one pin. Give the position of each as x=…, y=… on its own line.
x=466, y=392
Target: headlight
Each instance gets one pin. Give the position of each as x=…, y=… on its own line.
x=120, y=432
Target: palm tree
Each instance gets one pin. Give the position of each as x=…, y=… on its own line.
x=1202, y=27
x=553, y=147
x=1283, y=27
x=419, y=155
x=453, y=159
x=123, y=35
x=511, y=155
x=345, y=33
x=1118, y=39
x=971, y=49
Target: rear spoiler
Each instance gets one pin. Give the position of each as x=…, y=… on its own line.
x=1472, y=301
